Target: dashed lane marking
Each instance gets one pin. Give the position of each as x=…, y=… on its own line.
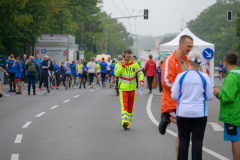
x=152, y=118
x=66, y=101
x=39, y=115
x=15, y=156
x=76, y=96
x=26, y=125
x=91, y=90
x=54, y=107
x=215, y=126
x=18, y=138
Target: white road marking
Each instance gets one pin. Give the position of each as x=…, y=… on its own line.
x=215, y=126
x=39, y=115
x=54, y=107
x=66, y=101
x=76, y=96
x=26, y=125
x=91, y=90
x=152, y=118
x=18, y=138
x=15, y=156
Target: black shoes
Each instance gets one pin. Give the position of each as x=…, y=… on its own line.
x=0, y=94
x=34, y=94
x=165, y=120
x=125, y=126
x=29, y=93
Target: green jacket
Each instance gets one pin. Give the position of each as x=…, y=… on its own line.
x=127, y=75
x=230, y=98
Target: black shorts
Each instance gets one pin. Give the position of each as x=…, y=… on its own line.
x=68, y=75
x=220, y=71
x=108, y=72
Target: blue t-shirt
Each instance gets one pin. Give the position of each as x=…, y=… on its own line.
x=112, y=66
x=221, y=67
x=18, y=67
x=73, y=69
x=55, y=67
x=38, y=61
x=83, y=69
x=10, y=68
x=103, y=67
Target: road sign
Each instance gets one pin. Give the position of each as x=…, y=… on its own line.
x=208, y=53
x=81, y=52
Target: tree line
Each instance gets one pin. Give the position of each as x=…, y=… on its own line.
x=22, y=22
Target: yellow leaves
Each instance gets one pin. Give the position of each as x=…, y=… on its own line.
x=23, y=20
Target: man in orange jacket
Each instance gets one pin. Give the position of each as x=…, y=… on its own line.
x=171, y=67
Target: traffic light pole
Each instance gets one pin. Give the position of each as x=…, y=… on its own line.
x=106, y=20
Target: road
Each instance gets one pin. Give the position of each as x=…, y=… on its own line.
x=85, y=124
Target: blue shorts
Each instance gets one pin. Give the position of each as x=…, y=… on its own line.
x=79, y=75
x=231, y=137
x=112, y=74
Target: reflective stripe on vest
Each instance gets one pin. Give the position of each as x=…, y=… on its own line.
x=125, y=118
x=125, y=114
x=127, y=80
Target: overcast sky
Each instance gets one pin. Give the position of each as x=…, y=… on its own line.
x=165, y=16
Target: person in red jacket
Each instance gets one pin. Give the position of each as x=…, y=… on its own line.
x=150, y=68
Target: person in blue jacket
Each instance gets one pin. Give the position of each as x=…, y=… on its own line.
x=103, y=66
x=11, y=72
x=55, y=79
x=112, y=76
x=18, y=67
x=84, y=74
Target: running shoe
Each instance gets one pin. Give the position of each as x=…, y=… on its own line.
x=46, y=93
x=165, y=120
x=125, y=126
x=14, y=90
x=0, y=94
x=10, y=90
x=39, y=89
x=34, y=94
x=84, y=86
x=18, y=93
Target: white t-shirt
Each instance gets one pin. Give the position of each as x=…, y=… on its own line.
x=67, y=66
x=91, y=67
x=191, y=103
x=109, y=63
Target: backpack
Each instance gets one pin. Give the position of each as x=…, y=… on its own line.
x=32, y=67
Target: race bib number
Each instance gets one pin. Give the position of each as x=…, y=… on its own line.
x=79, y=70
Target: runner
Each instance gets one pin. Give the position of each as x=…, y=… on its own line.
x=68, y=74
x=139, y=64
x=18, y=67
x=112, y=67
x=108, y=77
x=23, y=61
x=171, y=67
x=84, y=74
x=98, y=73
x=32, y=68
x=73, y=68
x=39, y=63
x=62, y=75
x=127, y=70
x=103, y=66
x=55, y=79
x=150, y=68
x=0, y=80
x=220, y=69
x=79, y=75
x=47, y=66
x=159, y=72
x=11, y=72
x=192, y=88
x=91, y=70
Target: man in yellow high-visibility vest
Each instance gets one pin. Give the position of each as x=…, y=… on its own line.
x=127, y=70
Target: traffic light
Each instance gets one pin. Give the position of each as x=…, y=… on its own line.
x=145, y=14
x=229, y=15
x=94, y=48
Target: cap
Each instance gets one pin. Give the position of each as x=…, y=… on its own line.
x=135, y=56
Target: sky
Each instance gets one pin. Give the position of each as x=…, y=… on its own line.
x=165, y=16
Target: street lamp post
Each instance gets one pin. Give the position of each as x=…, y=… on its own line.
x=82, y=25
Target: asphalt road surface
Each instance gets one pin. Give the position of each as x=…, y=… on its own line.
x=85, y=124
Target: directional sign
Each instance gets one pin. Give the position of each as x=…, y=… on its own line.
x=208, y=53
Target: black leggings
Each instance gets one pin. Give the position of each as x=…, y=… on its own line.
x=12, y=80
x=84, y=78
x=186, y=126
x=91, y=76
x=160, y=87
x=150, y=80
x=103, y=75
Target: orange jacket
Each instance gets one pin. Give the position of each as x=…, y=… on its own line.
x=171, y=67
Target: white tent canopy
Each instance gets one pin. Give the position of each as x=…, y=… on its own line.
x=200, y=45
